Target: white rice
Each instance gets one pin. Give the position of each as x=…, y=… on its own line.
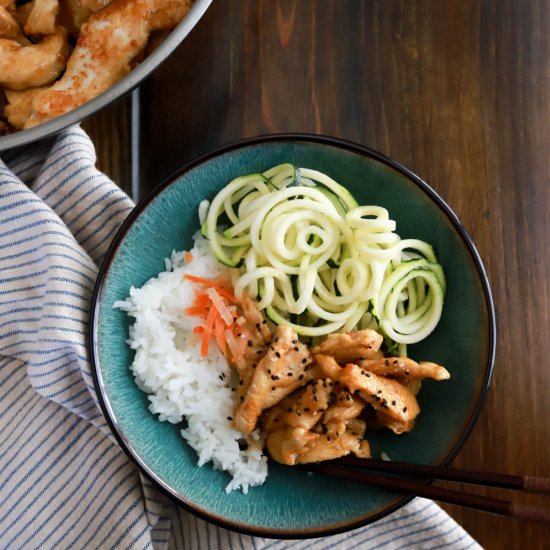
x=181, y=384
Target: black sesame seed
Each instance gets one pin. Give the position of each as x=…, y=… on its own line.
x=264, y=322
x=289, y=409
x=298, y=413
x=294, y=341
x=304, y=360
x=258, y=326
x=296, y=348
x=306, y=409
x=276, y=339
x=241, y=382
x=289, y=374
x=242, y=398
x=272, y=388
x=301, y=377
x=233, y=389
x=268, y=371
x=395, y=361
x=229, y=418
x=272, y=348
x=278, y=354
x=386, y=362
x=363, y=372
x=367, y=375
x=394, y=403
x=404, y=409
x=379, y=391
x=407, y=372
x=259, y=352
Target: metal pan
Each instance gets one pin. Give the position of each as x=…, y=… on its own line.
x=121, y=88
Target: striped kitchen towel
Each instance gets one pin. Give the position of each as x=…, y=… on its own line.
x=64, y=482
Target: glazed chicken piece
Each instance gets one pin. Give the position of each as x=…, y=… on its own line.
x=9, y=27
x=106, y=46
x=260, y=336
x=19, y=107
x=299, y=435
x=279, y=372
x=405, y=369
x=34, y=65
x=396, y=407
x=73, y=15
x=348, y=346
x=41, y=20
x=95, y=5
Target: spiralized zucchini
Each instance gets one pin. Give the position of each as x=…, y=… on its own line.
x=319, y=262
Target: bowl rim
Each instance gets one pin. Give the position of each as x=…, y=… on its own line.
x=134, y=215
x=115, y=92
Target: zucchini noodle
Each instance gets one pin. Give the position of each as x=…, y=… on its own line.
x=320, y=263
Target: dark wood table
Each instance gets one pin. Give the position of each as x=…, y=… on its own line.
x=458, y=91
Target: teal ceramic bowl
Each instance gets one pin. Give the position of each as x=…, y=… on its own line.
x=292, y=503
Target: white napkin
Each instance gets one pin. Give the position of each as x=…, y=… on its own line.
x=64, y=483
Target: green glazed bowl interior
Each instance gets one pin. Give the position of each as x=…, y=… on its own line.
x=294, y=503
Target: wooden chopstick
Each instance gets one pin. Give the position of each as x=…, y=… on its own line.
x=487, y=504
x=528, y=484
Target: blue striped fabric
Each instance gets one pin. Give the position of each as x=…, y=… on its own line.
x=64, y=483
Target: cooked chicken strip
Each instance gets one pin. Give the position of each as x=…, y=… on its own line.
x=279, y=372
x=19, y=107
x=73, y=15
x=302, y=409
x=404, y=369
x=42, y=17
x=31, y=66
x=325, y=366
x=10, y=5
x=95, y=5
x=254, y=316
x=260, y=336
x=346, y=408
x=9, y=27
x=107, y=44
x=290, y=439
x=348, y=346
x=396, y=406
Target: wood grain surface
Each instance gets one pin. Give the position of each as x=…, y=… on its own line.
x=458, y=91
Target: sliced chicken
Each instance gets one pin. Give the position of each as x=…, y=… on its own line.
x=95, y=5
x=279, y=372
x=9, y=27
x=395, y=405
x=106, y=46
x=405, y=369
x=259, y=336
x=303, y=409
x=31, y=66
x=348, y=346
x=291, y=424
x=19, y=107
x=73, y=15
x=42, y=18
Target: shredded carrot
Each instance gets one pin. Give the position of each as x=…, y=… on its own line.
x=211, y=284
x=188, y=257
x=221, y=319
x=218, y=330
x=208, y=329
